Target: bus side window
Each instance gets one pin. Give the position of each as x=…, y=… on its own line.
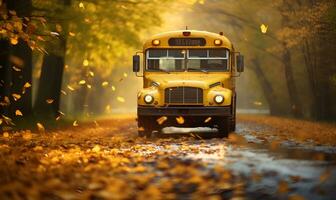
x=153, y=64
x=178, y=65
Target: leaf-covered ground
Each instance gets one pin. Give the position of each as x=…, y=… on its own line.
x=300, y=131
x=106, y=160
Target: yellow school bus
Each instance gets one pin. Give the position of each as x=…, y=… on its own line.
x=188, y=81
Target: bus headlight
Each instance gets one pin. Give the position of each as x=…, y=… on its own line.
x=148, y=99
x=219, y=99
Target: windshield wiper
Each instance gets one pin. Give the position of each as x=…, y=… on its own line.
x=195, y=69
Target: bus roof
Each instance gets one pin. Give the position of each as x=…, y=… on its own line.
x=208, y=36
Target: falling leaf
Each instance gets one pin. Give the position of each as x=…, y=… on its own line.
x=105, y=83
x=18, y=113
x=91, y=74
x=12, y=12
x=16, y=69
x=75, y=123
x=63, y=92
x=263, y=28
x=81, y=82
x=121, y=99
x=108, y=108
x=16, y=96
x=85, y=63
x=14, y=40
x=72, y=34
x=40, y=127
x=27, y=85
x=7, y=120
x=180, y=120
x=70, y=88
x=207, y=120
x=81, y=5
x=125, y=74
x=5, y=134
x=113, y=88
x=161, y=120
x=61, y=113
x=50, y=101
x=58, y=117
x=88, y=86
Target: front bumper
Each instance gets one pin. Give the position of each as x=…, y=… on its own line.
x=184, y=111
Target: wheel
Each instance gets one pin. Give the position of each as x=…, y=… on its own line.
x=145, y=126
x=224, y=126
x=233, y=117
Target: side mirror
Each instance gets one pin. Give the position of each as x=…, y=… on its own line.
x=240, y=63
x=136, y=63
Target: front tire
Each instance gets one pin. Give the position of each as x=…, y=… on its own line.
x=224, y=126
x=145, y=126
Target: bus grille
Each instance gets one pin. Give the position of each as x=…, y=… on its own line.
x=183, y=95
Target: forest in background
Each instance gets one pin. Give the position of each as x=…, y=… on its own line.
x=72, y=58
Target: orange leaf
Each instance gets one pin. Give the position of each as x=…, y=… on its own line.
x=75, y=124
x=50, y=101
x=180, y=120
x=40, y=127
x=161, y=120
x=207, y=120
x=18, y=113
x=16, y=96
x=27, y=85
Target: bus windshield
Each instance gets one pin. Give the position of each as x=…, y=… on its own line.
x=187, y=60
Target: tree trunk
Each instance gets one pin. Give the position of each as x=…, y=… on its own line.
x=267, y=88
x=50, y=86
x=296, y=109
x=19, y=56
x=51, y=75
x=5, y=75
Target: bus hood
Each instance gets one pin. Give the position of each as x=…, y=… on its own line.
x=188, y=79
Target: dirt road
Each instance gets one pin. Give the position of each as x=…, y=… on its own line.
x=106, y=160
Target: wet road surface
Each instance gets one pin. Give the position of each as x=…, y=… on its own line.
x=106, y=160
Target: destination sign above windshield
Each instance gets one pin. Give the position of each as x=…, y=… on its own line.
x=186, y=42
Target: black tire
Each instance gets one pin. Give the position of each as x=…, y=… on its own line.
x=145, y=127
x=224, y=126
x=233, y=117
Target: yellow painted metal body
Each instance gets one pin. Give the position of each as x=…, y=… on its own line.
x=225, y=81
